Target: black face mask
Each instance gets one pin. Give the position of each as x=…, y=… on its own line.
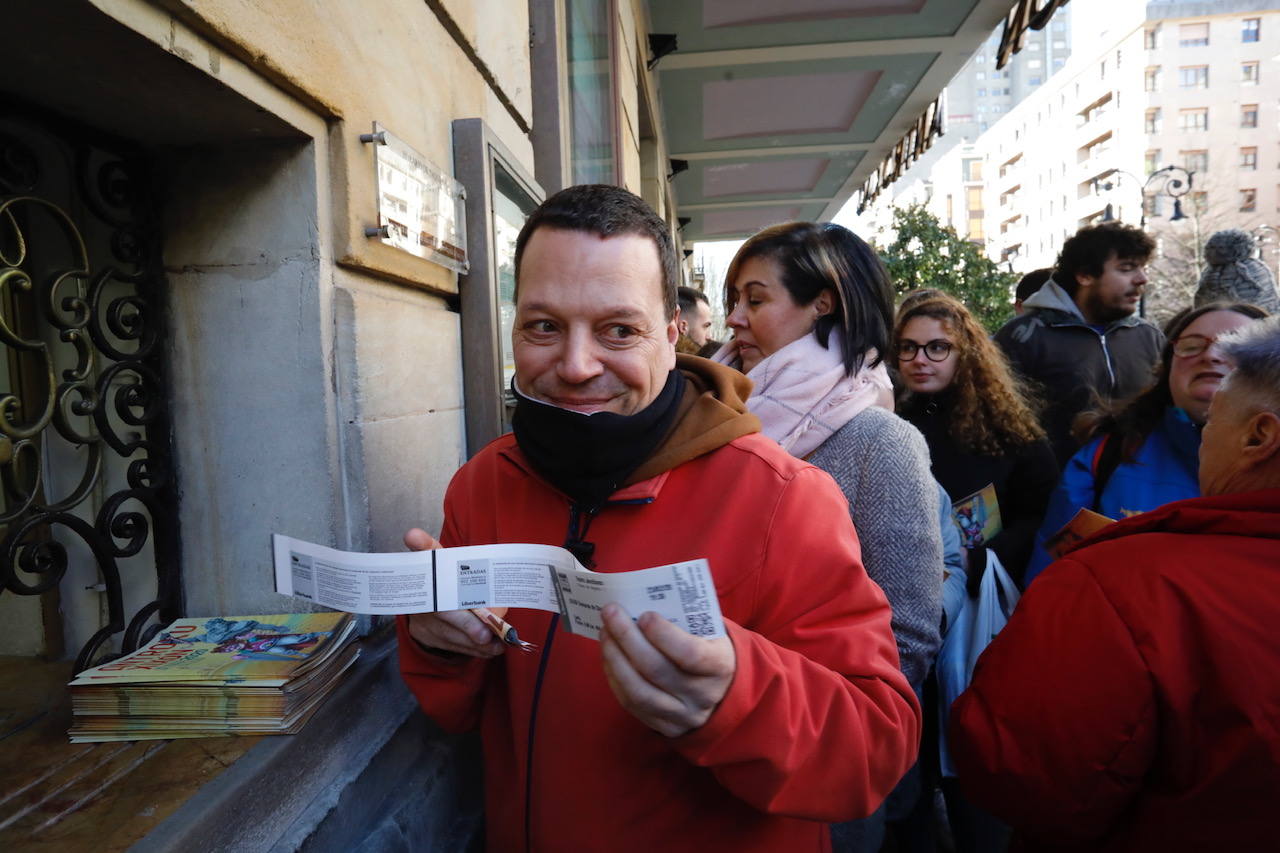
x=589, y=456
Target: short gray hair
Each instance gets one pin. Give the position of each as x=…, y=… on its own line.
x=1254, y=351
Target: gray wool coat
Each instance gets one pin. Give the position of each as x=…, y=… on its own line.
x=881, y=463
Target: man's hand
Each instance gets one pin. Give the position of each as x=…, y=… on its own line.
x=665, y=677
x=457, y=631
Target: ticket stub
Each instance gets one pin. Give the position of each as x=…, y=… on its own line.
x=542, y=577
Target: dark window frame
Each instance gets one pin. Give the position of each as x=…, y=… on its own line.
x=477, y=155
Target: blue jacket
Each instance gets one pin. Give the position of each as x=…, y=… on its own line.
x=1165, y=469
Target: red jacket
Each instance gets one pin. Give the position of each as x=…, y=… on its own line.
x=1133, y=701
x=818, y=724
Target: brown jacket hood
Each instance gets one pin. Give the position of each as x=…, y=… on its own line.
x=712, y=413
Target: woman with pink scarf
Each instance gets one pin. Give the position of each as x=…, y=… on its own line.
x=811, y=308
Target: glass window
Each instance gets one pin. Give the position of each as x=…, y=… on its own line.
x=1251, y=29
x=1035, y=81
x=500, y=197
x=1193, y=77
x=1248, y=200
x=1249, y=158
x=1193, y=35
x=591, y=98
x=1152, y=79
x=1249, y=115
x=981, y=75
x=1153, y=121
x=1152, y=160
x=1249, y=73
x=1151, y=38
x=1195, y=161
x=1195, y=119
x=1199, y=201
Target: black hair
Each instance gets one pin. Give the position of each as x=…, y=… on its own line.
x=819, y=256
x=1091, y=247
x=688, y=299
x=606, y=211
x=1031, y=282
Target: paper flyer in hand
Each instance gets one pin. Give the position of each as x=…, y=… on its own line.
x=978, y=517
x=541, y=577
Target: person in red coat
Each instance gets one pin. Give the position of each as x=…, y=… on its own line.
x=652, y=738
x=1133, y=700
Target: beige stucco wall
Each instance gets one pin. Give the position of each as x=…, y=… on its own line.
x=377, y=404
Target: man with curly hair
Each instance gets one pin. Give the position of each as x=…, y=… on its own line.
x=1079, y=337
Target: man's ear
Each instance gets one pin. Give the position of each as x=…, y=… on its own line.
x=1261, y=443
x=682, y=325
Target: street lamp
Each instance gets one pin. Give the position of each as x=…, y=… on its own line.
x=1173, y=181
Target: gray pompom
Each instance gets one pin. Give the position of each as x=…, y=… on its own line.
x=1234, y=275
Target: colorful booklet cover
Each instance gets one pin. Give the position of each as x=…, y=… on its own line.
x=978, y=517
x=261, y=651
x=1082, y=525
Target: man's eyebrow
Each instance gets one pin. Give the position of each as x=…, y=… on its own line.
x=614, y=311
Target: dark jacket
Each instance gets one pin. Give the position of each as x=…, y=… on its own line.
x=1024, y=478
x=1072, y=363
x=1132, y=703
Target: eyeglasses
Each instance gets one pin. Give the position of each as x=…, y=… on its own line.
x=935, y=350
x=1190, y=346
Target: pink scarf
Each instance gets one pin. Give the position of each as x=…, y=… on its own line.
x=802, y=395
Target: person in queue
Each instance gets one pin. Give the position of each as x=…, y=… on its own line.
x=972, y=411
x=1080, y=338
x=1132, y=703
x=1143, y=453
x=633, y=457
x=810, y=307
x=695, y=320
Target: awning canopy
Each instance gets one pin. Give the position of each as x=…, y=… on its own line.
x=783, y=109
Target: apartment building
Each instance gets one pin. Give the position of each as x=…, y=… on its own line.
x=1210, y=83
x=1170, y=86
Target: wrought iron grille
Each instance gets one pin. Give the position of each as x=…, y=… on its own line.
x=86, y=468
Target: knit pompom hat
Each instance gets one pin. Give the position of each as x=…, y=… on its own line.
x=1232, y=273
x=1227, y=247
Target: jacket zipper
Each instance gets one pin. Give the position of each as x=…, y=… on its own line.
x=579, y=522
x=1106, y=352
x=1106, y=357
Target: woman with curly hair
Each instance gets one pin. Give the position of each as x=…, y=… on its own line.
x=973, y=412
x=1144, y=453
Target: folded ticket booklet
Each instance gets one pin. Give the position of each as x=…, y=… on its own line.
x=542, y=577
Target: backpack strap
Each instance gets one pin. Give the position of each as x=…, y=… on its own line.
x=1106, y=459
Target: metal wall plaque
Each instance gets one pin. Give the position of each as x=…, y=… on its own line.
x=421, y=208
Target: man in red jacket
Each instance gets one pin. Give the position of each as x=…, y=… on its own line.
x=653, y=739
x=1133, y=701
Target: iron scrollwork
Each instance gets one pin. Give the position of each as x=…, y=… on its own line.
x=83, y=359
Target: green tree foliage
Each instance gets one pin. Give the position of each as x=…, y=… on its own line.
x=924, y=253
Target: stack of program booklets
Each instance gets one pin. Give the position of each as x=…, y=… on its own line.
x=215, y=676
